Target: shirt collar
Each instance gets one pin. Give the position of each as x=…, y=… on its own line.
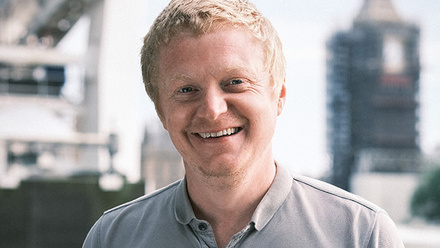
x=266, y=209
x=273, y=199
x=182, y=207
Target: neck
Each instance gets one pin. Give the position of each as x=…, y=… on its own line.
x=229, y=203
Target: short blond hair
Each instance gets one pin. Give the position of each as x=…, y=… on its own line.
x=203, y=16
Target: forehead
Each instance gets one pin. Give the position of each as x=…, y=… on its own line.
x=223, y=47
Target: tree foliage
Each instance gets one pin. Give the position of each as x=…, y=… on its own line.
x=425, y=202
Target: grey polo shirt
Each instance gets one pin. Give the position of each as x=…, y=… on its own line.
x=295, y=212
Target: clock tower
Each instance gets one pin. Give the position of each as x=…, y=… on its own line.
x=372, y=90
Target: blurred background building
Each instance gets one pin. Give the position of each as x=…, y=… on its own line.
x=44, y=130
x=373, y=73
x=373, y=86
x=161, y=163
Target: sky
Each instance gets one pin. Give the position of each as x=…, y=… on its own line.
x=304, y=26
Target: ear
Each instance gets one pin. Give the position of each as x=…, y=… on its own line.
x=281, y=99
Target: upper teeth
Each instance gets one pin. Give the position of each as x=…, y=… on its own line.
x=228, y=131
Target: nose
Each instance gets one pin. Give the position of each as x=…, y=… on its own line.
x=213, y=104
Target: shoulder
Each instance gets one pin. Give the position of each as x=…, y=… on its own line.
x=328, y=192
x=338, y=213
x=157, y=197
x=132, y=221
x=317, y=214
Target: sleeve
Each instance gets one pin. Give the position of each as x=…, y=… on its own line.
x=93, y=239
x=384, y=233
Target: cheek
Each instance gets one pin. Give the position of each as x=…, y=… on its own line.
x=174, y=130
x=167, y=113
x=262, y=117
x=269, y=115
x=176, y=119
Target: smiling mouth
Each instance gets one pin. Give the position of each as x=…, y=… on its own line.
x=226, y=132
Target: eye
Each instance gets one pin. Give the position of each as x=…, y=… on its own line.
x=236, y=85
x=186, y=89
x=236, y=81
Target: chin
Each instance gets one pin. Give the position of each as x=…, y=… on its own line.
x=226, y=169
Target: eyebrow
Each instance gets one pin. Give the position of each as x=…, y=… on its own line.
x=235, y=69
x=180, y=77
x=242, y=70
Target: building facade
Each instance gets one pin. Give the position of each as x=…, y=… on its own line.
x=49, y=94
x=372, y=94
x=161, y=164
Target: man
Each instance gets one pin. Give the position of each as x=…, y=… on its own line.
x=215, y=71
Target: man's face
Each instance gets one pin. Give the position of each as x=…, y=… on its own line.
x=217, y=102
